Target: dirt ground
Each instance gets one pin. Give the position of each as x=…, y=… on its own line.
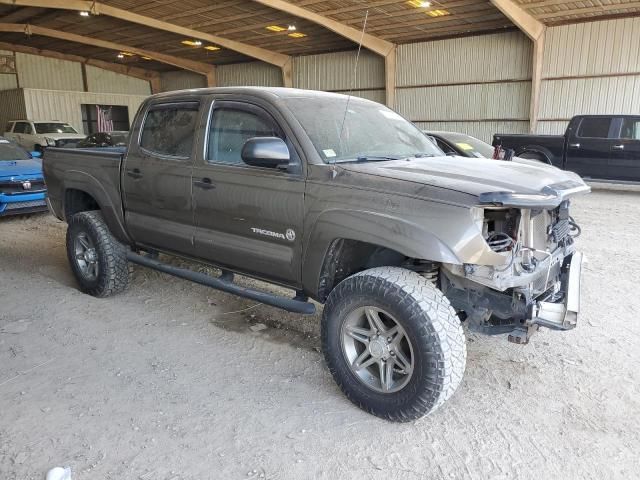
x=166, y=382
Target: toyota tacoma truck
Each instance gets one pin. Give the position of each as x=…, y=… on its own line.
x=342, y=201
x=599, y=147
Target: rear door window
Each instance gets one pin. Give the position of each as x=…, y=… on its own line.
x=594, y=127
x=169, y=129
x=630, y=129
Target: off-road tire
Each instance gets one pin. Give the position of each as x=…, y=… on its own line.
x=113, y=267
x=431, y=324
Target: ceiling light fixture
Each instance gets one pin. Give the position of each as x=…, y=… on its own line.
x=192, y=43
x=437, y=13
x=419, y=4
x=84, y=13
x=127, y=54
x=297, y=35
x=275, y=28
x=120, y=56
x=211, y=48
x=292, y=28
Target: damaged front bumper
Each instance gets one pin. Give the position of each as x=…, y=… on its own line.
x=556, y=315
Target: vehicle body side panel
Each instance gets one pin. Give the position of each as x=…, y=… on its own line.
x=94, y=172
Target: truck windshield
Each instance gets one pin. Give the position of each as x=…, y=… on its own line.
x=371, y=131
x=9, y=151
x=54, y=127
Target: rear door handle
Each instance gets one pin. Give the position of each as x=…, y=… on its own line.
x=135, y=173
x=617, y=147
x=205, y=183
x=574, y=145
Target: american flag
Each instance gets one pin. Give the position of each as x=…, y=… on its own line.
x=105, y=123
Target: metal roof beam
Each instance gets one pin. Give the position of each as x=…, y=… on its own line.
x=526, y=22
x=375, y=44
x=198, y=67
x=135, y=72
x=97, y=8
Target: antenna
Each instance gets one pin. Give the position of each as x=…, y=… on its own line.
x=353, y=84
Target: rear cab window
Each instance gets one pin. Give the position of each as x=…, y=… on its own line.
x=9, y=127
x=169, y=129
x=597, y=127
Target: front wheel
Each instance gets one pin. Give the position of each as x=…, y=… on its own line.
x=98, y=260
x=393, y=343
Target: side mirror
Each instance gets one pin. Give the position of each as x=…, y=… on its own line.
x=35, y=154
x=270, y=152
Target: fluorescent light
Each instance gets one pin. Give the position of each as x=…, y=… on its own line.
x=292, y=28
x=419, y=4
x=192, y=43
x=297, y=35
x=84, y=13
x=126, y=54
x=275, y=28
x=211, y=48
x=146, y=58
x=120, y=55
x=437, y=13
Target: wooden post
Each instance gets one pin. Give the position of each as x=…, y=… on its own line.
x=287, y=74
x=390, y=78
x=536, y=82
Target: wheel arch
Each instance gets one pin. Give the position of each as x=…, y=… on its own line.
x=335, y=252
x=537, y=150
x=82, y=192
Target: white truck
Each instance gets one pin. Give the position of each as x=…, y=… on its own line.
x=37, y=135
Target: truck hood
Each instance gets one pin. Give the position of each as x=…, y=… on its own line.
x=17, y=168
x=496, y=182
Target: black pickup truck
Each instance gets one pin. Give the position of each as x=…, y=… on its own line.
x=594, y=146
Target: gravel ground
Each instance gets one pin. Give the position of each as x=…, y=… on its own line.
x=166, y=382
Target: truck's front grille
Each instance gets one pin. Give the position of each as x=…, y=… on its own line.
x=18, y=187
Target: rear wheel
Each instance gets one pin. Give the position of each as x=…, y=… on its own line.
x=393, y=343
x=98, y=260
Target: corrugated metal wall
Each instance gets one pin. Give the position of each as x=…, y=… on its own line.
x=590, y=68
x=66, y=106
x=50, y=73
x=250, y=73
x=8, y=81
x=105, y=81
x=478, y=85
x=13, y=107
x=335, y=72
x=182, y=80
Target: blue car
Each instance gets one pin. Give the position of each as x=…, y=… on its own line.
x=22, y=188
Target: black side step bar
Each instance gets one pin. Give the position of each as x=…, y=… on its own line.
x=225, y=283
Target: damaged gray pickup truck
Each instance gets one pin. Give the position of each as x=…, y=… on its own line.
x=343, y=201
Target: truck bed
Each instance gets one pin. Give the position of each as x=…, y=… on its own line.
x=86, y=169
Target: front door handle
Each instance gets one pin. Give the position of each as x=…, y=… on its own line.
x=617, y=147
x=135, y=173
x=205, y=183
x=574, y=145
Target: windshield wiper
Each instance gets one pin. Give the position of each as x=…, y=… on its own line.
x=369, y=158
